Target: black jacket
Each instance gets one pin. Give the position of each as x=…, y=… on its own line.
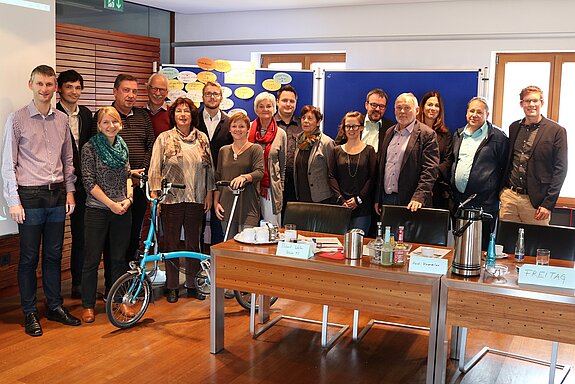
x=486, y=176
x=85, y=126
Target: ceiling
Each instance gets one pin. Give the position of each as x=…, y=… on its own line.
x=215, y=6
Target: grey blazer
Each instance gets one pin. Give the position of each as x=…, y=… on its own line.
x=317, y=168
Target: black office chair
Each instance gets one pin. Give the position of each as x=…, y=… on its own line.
x=316, y=217
x=426, y=226
x=559, y=240
x=324, y=218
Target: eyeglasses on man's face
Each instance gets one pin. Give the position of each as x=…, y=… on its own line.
x=377, y=106
x=160, y=90
x=215, y=95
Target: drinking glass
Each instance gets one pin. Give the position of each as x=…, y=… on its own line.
x=543, y=256
x=290, y=233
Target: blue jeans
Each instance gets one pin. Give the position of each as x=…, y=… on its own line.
x=361, y=222
x=45, y=214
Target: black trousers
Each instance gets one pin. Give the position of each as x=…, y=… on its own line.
x=102, y=226
x=77, y=231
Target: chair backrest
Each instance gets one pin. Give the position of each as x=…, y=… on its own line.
x=426, y=225
x=559, y=240
x=315, y=217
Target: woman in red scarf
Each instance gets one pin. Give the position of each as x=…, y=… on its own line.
x=264, y=131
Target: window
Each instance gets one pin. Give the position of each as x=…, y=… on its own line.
x=291, y=61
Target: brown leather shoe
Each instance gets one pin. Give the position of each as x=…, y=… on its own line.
x=88, y=315
x=127, y=310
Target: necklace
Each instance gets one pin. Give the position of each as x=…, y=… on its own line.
x=349, y=164
x=236, y=154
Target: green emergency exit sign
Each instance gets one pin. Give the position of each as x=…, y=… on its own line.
x=115, y=5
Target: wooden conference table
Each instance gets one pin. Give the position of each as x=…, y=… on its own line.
x=342, y=283
x=500, y=305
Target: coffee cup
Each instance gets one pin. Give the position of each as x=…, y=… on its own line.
x=248, y=235
x=498, y=249
x=262, y=235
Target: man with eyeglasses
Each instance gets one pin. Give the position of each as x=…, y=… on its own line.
x=375, y=123
x=138, y=134
x=537, y=164
x=408, y=160
x=285, y=119
x=215, y=123
x=157, y=87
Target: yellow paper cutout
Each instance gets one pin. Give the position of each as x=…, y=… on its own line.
x=271, y=85
x=175, y=84
x=223, y=65
x=244, y=93
x=206, y=76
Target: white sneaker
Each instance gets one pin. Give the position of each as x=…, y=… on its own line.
x=157, y=276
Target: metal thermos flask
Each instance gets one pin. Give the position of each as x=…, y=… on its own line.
x=353, y=244
x=467, y=256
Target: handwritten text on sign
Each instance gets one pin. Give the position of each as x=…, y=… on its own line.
x=548, y=276
x=296, y=250
x=423, y=264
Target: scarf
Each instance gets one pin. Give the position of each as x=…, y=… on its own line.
x=204, y=146
x=255, y=137
x=305, y=142
x=114, y=156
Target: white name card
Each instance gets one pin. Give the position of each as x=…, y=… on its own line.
x=295, y=250
x=558, y=277
x=422, y=264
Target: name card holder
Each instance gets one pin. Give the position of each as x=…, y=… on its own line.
x=548, y=276
x=295, y=250
x=422, y=264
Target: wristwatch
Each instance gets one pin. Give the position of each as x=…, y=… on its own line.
x=358, y=200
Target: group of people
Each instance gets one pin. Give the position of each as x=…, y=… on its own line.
x=68, y=162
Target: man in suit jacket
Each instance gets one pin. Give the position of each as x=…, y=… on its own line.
x=408, y=159
x=70, y=86
x=537, y=164
x=215, y=124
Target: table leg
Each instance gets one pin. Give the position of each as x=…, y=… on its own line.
x=264, y=309
x=216, y=312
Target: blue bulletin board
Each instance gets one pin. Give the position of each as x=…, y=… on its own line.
x=184, y=84
x=345, y=91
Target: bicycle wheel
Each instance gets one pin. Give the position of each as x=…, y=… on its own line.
x=245, y=299
x=202, y=282
x=123, y=308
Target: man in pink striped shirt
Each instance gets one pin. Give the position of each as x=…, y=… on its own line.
x=39, y=178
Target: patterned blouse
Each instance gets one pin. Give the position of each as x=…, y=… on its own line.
x=113, y=182
x=185, y=161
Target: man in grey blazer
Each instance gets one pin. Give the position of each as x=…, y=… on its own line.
x=408, y=159
x=537, y=164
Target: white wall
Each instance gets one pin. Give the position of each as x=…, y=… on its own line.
x=445, y=35
x=28, y=39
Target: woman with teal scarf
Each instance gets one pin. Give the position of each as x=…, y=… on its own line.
x=106, y=176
